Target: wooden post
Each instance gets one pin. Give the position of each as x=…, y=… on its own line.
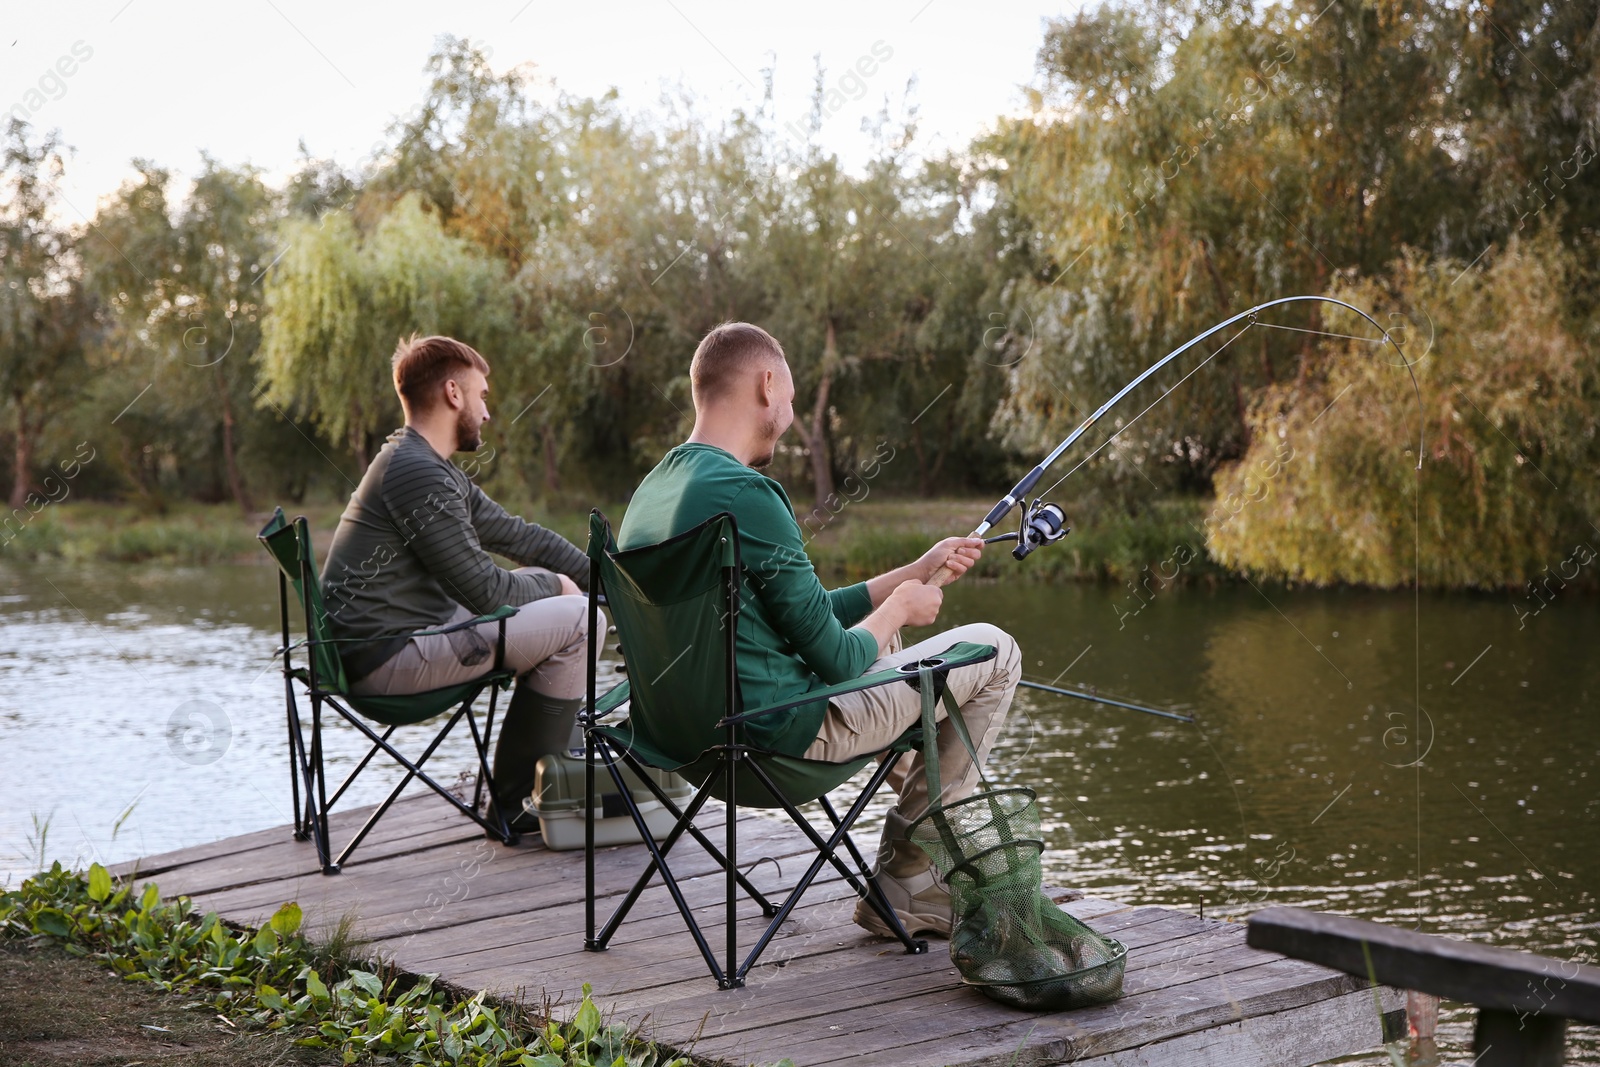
x=1514, y=1039
x=1422, y=1022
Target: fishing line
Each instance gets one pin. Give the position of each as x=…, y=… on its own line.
x=1153, y=403
x=1324, y=333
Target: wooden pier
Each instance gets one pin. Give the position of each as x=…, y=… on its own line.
x=430, y=894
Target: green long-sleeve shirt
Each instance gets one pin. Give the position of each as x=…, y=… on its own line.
x=794, y=636
x=414, y=542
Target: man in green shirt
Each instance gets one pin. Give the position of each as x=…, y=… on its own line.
x=411, y=553
x=794, y=636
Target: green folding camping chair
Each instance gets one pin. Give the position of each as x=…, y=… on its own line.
x=322, y=675
x=676, y=610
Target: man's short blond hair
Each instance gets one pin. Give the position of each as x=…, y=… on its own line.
x=726, y=354
x=421, y=365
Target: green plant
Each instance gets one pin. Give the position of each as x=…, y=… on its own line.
x=275, y=979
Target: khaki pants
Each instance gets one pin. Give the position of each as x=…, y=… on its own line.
x=546, y=643
x=870, y=720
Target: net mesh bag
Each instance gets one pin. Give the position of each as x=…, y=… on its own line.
x=1007, y=938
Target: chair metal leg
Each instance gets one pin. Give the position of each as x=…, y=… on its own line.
x=480, y=745
x=588, y=836
x=658, y=854
x=825, y=854
x=734, y=978
x=301, y=773
x=876, y=900
x=488, y=732
x=413, y=770
x=351, y=777
x=323, y=848
x=294, y=757
x=767, y=907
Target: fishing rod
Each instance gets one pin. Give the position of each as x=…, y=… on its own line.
x=1044, y=523
x=1098, y=699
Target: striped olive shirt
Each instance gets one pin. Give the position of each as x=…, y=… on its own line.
x=414, y=542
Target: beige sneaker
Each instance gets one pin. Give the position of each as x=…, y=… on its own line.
x=920, y=901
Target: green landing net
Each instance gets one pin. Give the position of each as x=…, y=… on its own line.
x=1008, y=939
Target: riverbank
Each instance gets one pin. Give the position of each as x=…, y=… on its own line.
x=278, y=997
x=854, y=541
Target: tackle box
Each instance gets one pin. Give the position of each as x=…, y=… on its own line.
x=557, y=801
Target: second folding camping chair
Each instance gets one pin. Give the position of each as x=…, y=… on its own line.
x=322, y=675
x=676, y=609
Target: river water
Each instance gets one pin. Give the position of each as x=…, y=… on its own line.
x=1430, y=763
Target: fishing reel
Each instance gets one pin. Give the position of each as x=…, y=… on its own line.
x=1042, y=524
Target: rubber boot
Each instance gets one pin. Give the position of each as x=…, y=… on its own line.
x=535, y=725
x=908, y=880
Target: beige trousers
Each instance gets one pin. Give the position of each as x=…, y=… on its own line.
x=546, y=644
x=870, y=720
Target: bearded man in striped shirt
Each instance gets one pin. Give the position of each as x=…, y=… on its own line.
x=412, y=553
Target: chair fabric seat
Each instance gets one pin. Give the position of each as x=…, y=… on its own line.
x=410, y=708
x=793, y=776
x=799, y=779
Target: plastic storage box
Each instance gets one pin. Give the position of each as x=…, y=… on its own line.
x=557, y=801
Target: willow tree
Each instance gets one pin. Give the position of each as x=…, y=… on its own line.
x=1329, y=491
x=339, y=301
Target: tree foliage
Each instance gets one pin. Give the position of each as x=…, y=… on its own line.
x=1432, y=162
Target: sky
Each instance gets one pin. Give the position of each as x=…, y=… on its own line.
x=249, y=80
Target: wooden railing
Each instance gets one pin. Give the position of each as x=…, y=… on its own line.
x=1523, y=1000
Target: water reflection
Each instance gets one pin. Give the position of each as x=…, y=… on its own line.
x=140, y=711
x=1417, y=763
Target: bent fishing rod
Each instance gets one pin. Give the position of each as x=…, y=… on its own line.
x=1044, y=523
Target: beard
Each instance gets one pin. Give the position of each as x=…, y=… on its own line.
x=769, y=436
x=469, y=436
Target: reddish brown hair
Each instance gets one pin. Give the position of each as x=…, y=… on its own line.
x=726, y=352
x=421, y=364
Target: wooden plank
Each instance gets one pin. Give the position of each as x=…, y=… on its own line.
x=903, y=979
x=1196, y=995
x=960, y=1026
x=518, y=925
x=798, y=996
x=404, y=810
x=1485, y=975
x=1342, y=1026
x=512, y=881
x=298, y=859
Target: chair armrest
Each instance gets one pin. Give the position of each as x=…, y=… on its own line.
x=504, y=611
x=612, y=699
x=962, y=654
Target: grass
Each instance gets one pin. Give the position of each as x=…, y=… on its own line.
x=278, y=997
x=857, y=541
x=876, y=535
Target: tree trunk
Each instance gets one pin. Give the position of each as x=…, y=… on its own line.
x=924, y=478
x=817, y=439
x=20, y=485
x=547, y=445
x=241, y=494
